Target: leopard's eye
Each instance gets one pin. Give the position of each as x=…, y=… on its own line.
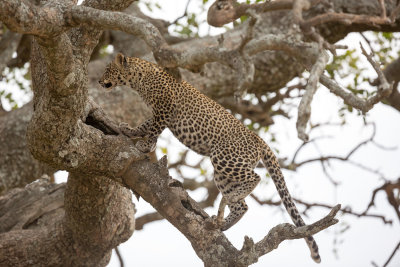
x=108, y=85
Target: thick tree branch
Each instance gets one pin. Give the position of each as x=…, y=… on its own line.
x=68, y=132
x=25, y=17
x=153, y=183
x=81, y=15
x=48, y=236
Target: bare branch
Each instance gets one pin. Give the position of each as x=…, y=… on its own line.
x=307, y=205
x=383, y=8
x=345, y=210
x=384, y=88
x=395, y=14
x=121, y=260
x=384, y=85
x=391, y=255
x=185, y=13
x=267, y=201
x=389, y=188
x=304, y=111
x=222, y=12
x=364, y=105
x=346, y=158
x=147, y=218
x=287, y=231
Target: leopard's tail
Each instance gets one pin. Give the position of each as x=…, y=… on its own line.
x=272, y=165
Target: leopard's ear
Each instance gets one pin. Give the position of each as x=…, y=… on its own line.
x=121, y=61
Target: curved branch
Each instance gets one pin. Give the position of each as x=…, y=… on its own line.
x=304, y=111
x=81, y=15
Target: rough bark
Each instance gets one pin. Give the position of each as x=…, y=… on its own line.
x=36, y=231
x=58, y=126
x=17, y=166
x=168, y=197
x=69, y=131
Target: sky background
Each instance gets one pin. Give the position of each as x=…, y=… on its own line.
x=352, y=242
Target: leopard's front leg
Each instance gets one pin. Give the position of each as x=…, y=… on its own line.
x=138, y=131
x=149, y=130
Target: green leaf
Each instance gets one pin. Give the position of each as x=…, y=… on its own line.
x=243, y=18
x=387, y=35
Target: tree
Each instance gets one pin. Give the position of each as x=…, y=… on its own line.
x=72, y=125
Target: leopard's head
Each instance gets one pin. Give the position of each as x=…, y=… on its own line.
x=115, y=73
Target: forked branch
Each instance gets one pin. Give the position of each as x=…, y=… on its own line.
x=364, y=105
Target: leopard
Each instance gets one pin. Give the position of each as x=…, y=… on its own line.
x=205, y=127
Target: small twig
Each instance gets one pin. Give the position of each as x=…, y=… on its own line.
x=384, y=86
x=303, y=145
x=121, y=260
x=325, y=170
x=388, y=187
x=391, y=255
x=345, y=210
x=308, y=206
x=383, y=9
x=147, y=218
x=266, y=202
x=183, y=15
x=395, y=13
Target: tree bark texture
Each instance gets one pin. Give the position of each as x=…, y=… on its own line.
x=78, y=224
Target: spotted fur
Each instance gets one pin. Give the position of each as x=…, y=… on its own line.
x=205, y=127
